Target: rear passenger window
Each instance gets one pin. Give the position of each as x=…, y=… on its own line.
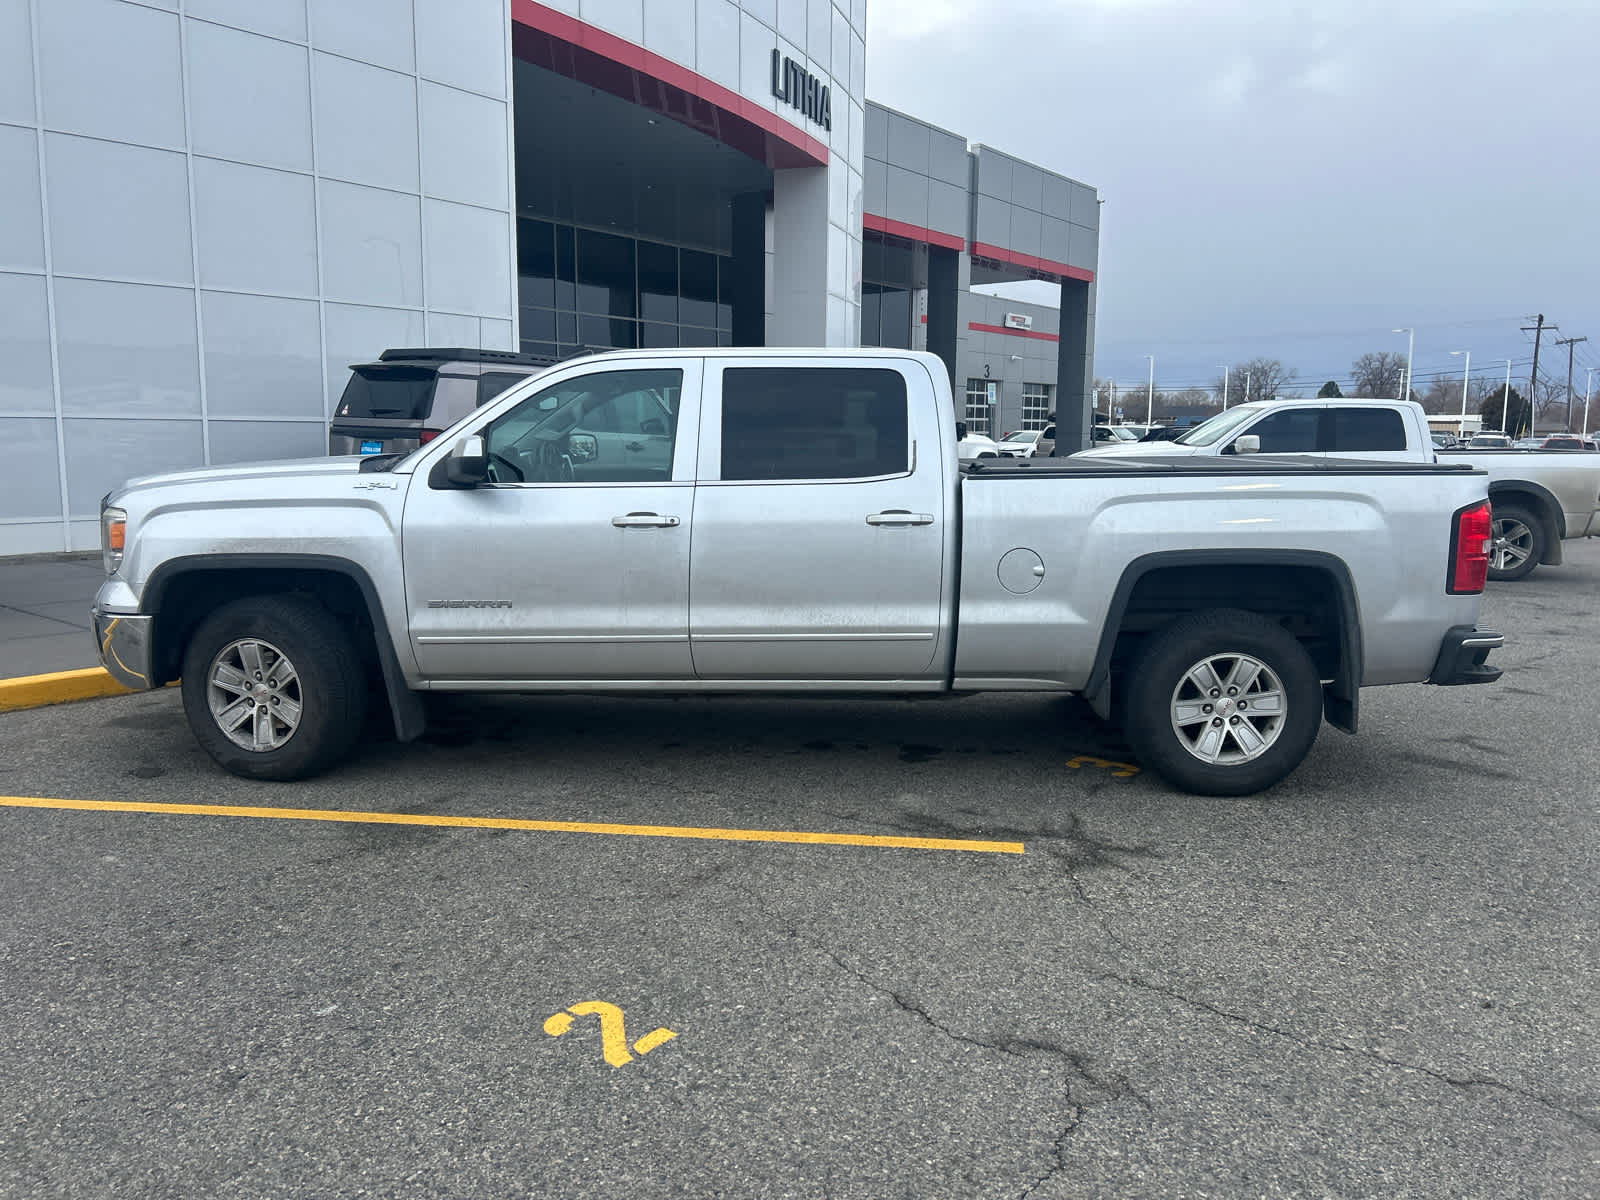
x=1293, y=431
x=813, y=423
x=1367, y=429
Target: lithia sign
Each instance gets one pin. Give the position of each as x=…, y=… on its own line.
x=796, y=86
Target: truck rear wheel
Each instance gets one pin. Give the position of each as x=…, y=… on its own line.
x=1518, y=542
x=273, y=688
x=1222, y=703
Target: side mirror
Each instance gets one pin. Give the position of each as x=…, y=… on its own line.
x=1247, y=444
x=468, y=463
x=961, y=431
x=583, y=447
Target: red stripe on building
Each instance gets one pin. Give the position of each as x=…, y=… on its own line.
x=913, y=233
x=1031, y=262
x=1027, y=333
x=553, y=40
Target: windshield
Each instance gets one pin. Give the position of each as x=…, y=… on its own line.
x=1026, y=435
x=394, y=393
x=1210, y=432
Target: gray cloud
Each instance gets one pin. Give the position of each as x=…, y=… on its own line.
x=1291, y=179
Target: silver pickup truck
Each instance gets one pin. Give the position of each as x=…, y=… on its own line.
x=782, y=520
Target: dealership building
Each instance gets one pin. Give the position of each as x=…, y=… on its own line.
x=210, y=208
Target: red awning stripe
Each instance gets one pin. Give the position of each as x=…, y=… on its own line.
x=913, y=233
x=566, y=45
x=1031, y=262
x=1027, y=333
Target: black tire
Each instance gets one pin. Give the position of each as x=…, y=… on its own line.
x=1519, y=542
x=1160, y=693
x=325, y=687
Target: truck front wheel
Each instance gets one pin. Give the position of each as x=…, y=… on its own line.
x=1518, y=542
x=1222, y=703
x=273, y=688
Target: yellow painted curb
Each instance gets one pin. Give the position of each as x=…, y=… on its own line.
x=58, y=687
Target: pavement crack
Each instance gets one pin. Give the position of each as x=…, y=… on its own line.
x=1557, y=1106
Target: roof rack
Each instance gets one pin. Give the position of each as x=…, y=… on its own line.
x=463, y=354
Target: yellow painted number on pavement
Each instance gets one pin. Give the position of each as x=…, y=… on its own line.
x=1118, y=770
x=613, y=1037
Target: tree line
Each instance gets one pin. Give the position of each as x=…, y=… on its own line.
x=1375, y=375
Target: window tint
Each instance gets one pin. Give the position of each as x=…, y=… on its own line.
x=610, y=427
x=1367, y=429
x=1293, y=431
x=492, y=383
x=389, y=393
x=813, y=423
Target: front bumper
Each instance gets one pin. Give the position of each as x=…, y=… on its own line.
x=124, y=643
x=1462, y=654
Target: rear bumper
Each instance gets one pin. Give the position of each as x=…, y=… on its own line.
x=1462, y=654
x=123, y=641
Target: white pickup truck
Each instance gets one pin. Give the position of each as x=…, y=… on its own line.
x=1539, y=497
x=799, y=522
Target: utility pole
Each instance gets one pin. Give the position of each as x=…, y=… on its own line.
x=1569, y=343
x=1538, y=332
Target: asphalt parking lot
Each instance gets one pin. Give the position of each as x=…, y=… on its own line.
x=1378, y=979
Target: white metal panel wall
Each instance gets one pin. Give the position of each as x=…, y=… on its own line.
x=209, y=208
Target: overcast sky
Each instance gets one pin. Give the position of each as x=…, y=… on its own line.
x=1293, y=180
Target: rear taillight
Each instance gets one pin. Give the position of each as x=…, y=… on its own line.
x=428, y=435
x=1469, y=549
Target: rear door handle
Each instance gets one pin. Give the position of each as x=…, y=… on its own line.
x=899, y=516
x=645, y=520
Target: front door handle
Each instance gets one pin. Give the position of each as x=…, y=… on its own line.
x=899, y=516
x=645, y=520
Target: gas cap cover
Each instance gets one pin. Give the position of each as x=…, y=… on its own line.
x=1021, y=571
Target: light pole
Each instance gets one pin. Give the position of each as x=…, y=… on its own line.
x=1588, y=386
x=1505, y=403
x=1150, y=402
x=1466, y=371
x=1411, y=344
x=1224, y=367
x=1247, y=387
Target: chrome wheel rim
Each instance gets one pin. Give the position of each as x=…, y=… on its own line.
x=254, y=694
x=1228, y=709
x=1513, y=544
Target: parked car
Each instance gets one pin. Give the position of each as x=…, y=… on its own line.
x=1489, y=441
x=1563, y=441
x=1165, y=433
x=410, y=396
x=1040, y=443
x=814, y=533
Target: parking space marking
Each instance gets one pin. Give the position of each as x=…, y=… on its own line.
x=1119, y=770
x=879, y=841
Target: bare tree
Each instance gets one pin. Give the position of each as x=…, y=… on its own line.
x=1258, y=379
x=1378, y=375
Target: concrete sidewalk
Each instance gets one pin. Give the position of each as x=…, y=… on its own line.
x=44, y=612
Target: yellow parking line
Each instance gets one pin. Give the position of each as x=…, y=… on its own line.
x=383, y=818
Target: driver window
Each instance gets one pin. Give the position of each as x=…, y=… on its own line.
x=610, y=427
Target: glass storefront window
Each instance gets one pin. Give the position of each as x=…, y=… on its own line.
x=606, y=280
x=584, y=288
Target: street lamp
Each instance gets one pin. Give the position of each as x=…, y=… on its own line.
x=1247, y=387
x=1150, y=402
x=1588, y=386
x=1466, y=371
x=1411, y=344
x=1224, y=367
x=1505, y=403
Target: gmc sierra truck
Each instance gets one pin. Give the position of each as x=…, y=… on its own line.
x=789, y=521
x=1540, y=498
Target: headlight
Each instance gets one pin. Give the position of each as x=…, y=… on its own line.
x=113, y=534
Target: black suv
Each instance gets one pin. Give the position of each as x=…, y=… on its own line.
x=410, y=396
